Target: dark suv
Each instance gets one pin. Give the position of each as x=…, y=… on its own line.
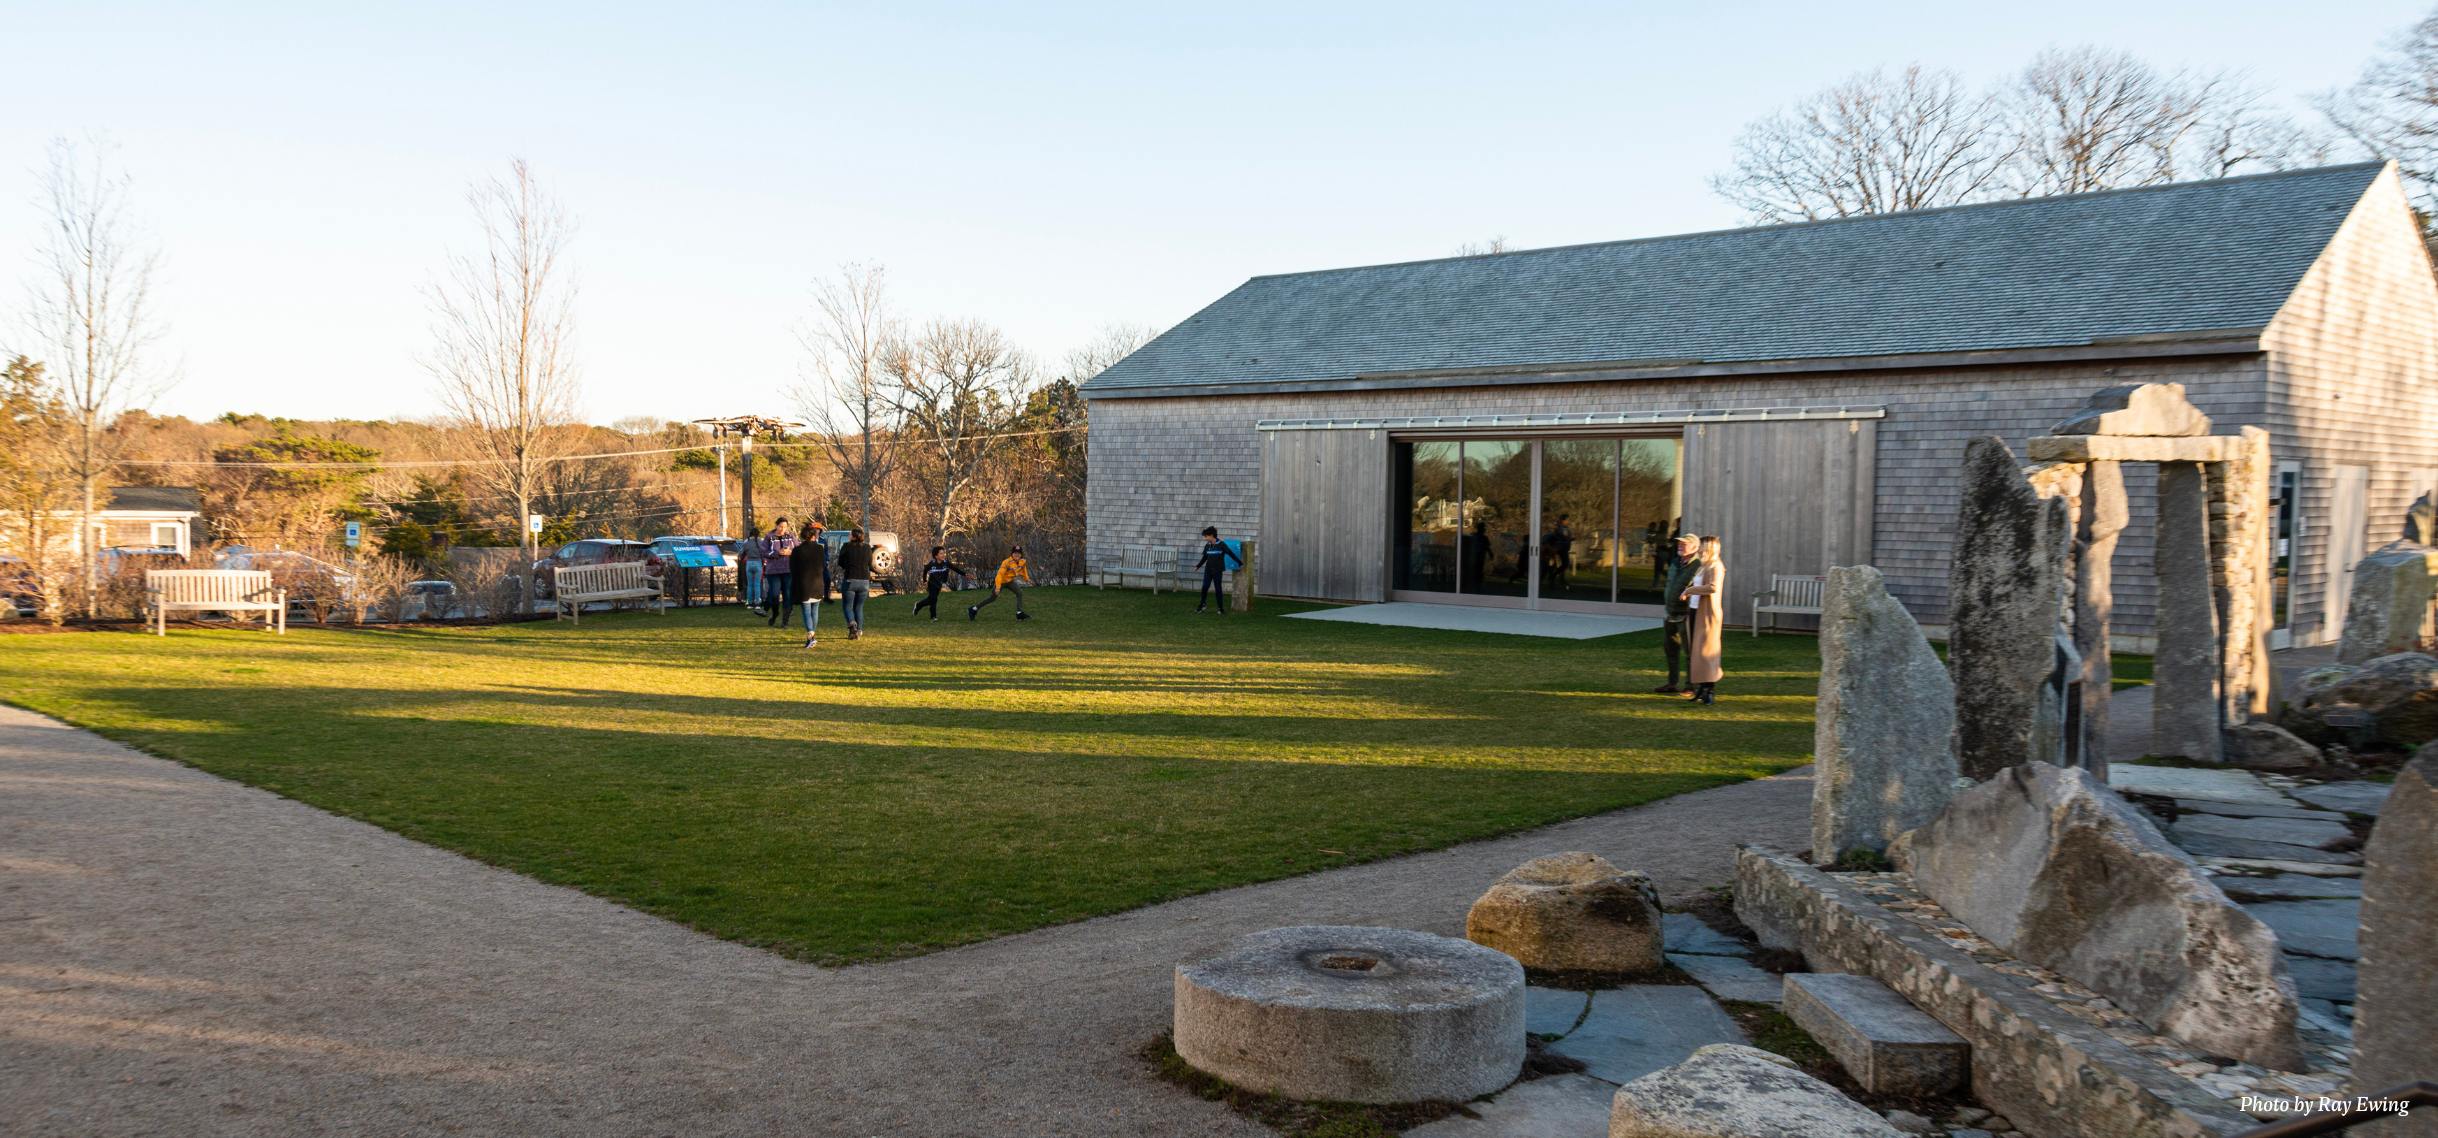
x=589, y=551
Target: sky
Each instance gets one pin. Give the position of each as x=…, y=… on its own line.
x=1051, y=168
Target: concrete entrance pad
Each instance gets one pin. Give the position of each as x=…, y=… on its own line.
x=1471, y=618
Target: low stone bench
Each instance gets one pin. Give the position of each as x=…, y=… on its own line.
x=1887, y=1044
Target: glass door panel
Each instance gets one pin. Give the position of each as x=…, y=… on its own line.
x=1496, y=551
x=1427, y=527
x=1650, y=513
x=1578, y=519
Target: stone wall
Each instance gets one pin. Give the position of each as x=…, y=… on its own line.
x=1161, y=467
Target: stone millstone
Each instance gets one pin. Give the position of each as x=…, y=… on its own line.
x=2397, y=1011
x=2391, y=607
x=1347, y=1013
x=2058, y=870
x=1728, y=1090
x=1884, y=733
x=1570, y=912
x=2005, y=599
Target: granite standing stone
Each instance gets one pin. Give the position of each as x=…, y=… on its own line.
x=2239, y=546
x=2185, y=711
x=2391, y=607
x=2050, y=865
x=2396, y=1016
x=2006, y=589
x=2137, y=409
x=1883, y=736
x=2097, y=526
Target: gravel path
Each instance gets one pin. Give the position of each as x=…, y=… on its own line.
x=180, y=954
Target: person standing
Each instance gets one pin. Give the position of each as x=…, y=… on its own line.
x=749, y=570
x=1014, y=574
x=808, y=580
x=854, y=581
x=775, y=591
x=936, y=573
x=1215, y=556
x=1704, y=632
x=1678, y=611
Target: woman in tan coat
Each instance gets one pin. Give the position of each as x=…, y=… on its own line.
x=1708, y=619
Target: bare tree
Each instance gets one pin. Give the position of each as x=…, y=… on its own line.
x=2086, y=118
x=502, y=322
x=953, y=390
x=851, y=337
x=91, y=309
x=2392, y=110
x=1113, y=342
x=1496, y=244
x=1875, y=143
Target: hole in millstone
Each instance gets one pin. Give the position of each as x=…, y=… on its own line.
x=1347, y=962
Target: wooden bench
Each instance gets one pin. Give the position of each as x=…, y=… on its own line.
x=574, y=586
x=1798, y=596
x=1143, y=562
x=214, y=590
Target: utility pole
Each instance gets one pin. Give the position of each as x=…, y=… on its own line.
x=746, y=428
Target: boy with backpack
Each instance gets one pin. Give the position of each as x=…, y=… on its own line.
x=1215, y=556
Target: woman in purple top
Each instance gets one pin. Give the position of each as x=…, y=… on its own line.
x=775, y=549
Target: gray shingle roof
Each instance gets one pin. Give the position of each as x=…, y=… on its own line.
x=2043, y=272
x=155, y=498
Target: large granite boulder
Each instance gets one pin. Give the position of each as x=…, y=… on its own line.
x=1883, y=736
x=2055, y=868
x=1728, y=1090
x=2399, y=694
x=2264, y=746
x=2396, y=1007
x=2141, y=409
x=2421, y=522
x=2006, y=593
x=2391, y=609
x=1571, y=912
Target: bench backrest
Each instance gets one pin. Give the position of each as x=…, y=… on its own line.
x=1800, y=592
x=607, y=578
x=1138, y=557
x=205, y=586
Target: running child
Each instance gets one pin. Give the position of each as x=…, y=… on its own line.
x=1014, y=574
x=936, y=573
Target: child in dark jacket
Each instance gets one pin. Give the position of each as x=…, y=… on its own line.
x=936, y=574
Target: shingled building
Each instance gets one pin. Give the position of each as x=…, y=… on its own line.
x=1527, y=428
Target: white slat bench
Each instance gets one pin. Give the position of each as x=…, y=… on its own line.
x=1143, y=562
x=1794, y=596
x=214, y=590
x=574, y=586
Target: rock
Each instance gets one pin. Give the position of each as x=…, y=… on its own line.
x=2264, y=746
x=2054, y=868
x=2006, y=595
x=2398, y=692
x=2154, y=410
x=2421, y=521
x=1570, y=912
x=2397, y=1014
x=1350, y=1013
x=1911, y=1123
x=1729, y=1090
x=1887, y=1044
x=2186, y=709
x=1883, y=735
x=2104, y=512
x=2391, y=607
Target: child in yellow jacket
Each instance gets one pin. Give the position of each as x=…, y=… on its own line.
x=1014, y=574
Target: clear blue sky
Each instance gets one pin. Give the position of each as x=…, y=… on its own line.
x=1048, y=167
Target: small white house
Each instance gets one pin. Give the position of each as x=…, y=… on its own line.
x=148, y=519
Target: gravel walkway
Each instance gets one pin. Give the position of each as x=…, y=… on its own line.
x=180, y=954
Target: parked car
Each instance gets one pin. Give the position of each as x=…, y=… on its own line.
x=433, y=599
x=310, y=581
x=588, y=551
x=884, y=554
x=662, y=556
x=17, y=591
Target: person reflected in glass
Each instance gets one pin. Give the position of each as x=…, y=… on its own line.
x=1704, y=630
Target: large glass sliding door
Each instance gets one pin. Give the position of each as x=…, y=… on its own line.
x=1544, y=522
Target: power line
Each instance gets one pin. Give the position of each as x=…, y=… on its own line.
x=371, y=465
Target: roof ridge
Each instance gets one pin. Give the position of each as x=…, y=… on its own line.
x=2006, y=203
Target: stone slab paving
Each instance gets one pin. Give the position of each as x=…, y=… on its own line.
x=2213, y=845
x=2319, y=979
x=1685, y=933
x=1635, y=1030
x=2350, y=797
x=1553, y=1011
x=2254, y=810
x=2287, y=887
x=1732, y=978
x=1560, y=1106
x=180, y=954
x=2310, y=833
x=2326, y=929
x=2194, y=782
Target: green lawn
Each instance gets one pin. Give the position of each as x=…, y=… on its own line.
x=937, y=783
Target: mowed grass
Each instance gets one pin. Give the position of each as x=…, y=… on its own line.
x=933, y=784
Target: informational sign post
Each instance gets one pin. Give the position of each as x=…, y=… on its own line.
x=533, y=523
x=355, y=534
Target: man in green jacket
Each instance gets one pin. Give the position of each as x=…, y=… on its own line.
x=1672, y=593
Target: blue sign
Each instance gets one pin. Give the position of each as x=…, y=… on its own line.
x=698, y=557
x=355, y=534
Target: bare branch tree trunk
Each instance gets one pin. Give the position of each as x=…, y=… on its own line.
x=851, y=336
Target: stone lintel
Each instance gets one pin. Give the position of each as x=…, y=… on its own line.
x=2120, y=448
